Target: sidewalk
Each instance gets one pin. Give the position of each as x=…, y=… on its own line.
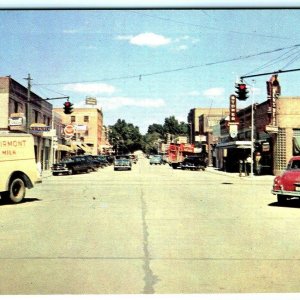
x=46, y=173
x=237, y=175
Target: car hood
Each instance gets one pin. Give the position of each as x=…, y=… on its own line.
x=290, y=177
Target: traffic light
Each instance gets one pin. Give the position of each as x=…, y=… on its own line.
x=241, y=92
x=68, y=108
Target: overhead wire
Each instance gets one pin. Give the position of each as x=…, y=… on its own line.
x=273, y=61
x=140, y=75
x=208, y=27
x=292, y=61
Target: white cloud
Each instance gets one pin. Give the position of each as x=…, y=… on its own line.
x=214, y=92
x=90, y=88
x=149, y=39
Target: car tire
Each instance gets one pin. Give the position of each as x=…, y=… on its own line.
x=17, y=190
x=70, y=172
x=281, y=198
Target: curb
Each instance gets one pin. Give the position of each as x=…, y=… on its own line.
x=236, y=175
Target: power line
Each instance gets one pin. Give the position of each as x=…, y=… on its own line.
x=140, y=75
x=208, y=27
x=274, y=60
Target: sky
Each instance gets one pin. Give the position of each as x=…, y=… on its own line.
x=144, y=65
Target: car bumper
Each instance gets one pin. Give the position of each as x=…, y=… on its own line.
x=286, y=193
x=122, y=168
x=60, y=171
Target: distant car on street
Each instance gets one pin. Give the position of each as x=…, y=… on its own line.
x=156, y=160
x=122, y=162
x=287, y=185
x=193, y=163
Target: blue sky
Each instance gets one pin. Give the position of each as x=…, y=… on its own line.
x=146, y=65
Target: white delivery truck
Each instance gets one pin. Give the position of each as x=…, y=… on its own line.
x=18, y=168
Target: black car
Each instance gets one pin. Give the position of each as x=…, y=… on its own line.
x=94, y=163
x=194, y=163
x=101, y=160
x=71, y=165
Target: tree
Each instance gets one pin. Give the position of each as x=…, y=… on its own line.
x=156, y=128
x=125, y=137
x=172, y=126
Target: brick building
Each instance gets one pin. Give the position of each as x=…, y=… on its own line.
x=17, y=114
x=203, y=122
x=276, y=136
x=88, y=125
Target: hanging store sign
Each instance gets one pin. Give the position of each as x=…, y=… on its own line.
x=69, y=130
x=232, y=108
x=233, y=130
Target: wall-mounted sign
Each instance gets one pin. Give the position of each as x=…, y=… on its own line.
x=17, y=121
x=81, y=127
x=39, y=128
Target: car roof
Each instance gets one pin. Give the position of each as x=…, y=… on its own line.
x=295, y=158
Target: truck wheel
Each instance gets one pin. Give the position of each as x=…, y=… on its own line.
x=281, y=198
x=17, y=190
x=70, y=172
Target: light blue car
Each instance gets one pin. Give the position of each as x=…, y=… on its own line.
x=156, y=160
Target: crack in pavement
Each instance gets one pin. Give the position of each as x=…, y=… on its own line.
x=150, y=279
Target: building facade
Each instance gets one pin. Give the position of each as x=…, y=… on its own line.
x=24, y=111
x=276, y=137
x=88, y=129
x=203, y=123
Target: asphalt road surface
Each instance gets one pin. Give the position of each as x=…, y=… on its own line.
x=152, y=230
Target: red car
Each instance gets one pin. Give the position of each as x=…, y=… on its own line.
x=287, y=185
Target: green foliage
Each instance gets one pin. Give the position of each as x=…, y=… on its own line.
x=125, y=137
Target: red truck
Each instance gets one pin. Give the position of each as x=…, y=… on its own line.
x=178, y=154
x=287, y=185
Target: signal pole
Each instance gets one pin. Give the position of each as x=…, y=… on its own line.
x=28, y=103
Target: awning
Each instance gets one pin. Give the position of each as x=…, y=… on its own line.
x=61, y=147
x=86, y=149
x=235, y=144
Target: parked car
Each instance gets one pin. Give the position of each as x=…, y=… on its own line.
x=193, y=163
x=94, y=163
x=287, y=185
x=156, y=160
x=122, y=162
x=71, y=165
x=101, y=161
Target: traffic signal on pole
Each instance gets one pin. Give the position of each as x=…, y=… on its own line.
x=241, y=91
x=68, y=108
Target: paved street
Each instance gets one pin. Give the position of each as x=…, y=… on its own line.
x=151, y=230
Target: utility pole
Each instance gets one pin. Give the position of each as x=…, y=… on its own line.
x=28, y=114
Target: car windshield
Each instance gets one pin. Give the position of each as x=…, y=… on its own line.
x=294, y=165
